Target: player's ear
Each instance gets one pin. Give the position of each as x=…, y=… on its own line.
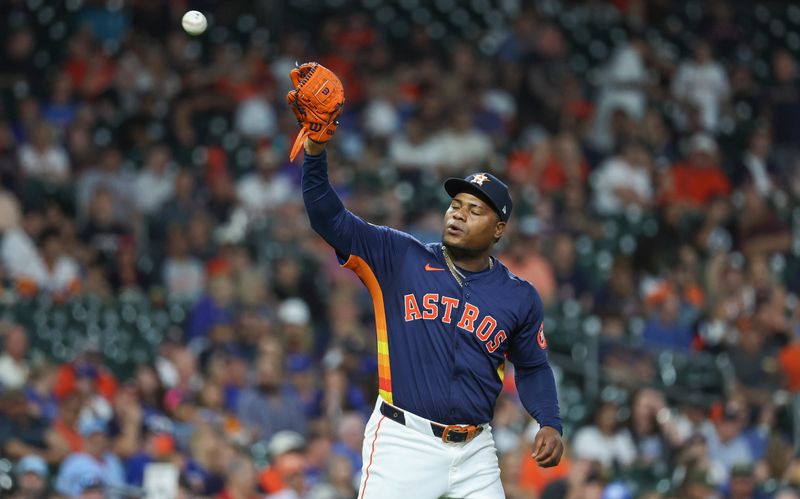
x=499, y=228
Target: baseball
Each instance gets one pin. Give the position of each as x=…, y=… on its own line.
x=194, y=22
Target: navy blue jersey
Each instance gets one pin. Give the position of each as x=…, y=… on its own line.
x=442, y=345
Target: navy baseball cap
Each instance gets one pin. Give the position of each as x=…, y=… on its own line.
x=487, y=187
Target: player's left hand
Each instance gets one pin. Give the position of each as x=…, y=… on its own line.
x=547, y=447
x=317, y=101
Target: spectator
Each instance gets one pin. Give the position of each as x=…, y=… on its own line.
x=62, y=109
x=255, y=117
x=18, y=249
x=267, y=188
x=284, y=476
x=650, y=428
x=524, y=259
x=624, y=181
x=759, y=229
x=43, y=159
x=157, y=445
x=214, y=306
x=32, y=478
x=56, y=273
x=464, y=147
x=95, y=462
x=39, y=391
x=241, y=479
x=348, y=443
x=754, y=364
x=665, y=329
x=701, y=85
x=618, y=297
x=183, y=275
x=103, y=232
x=109, y=174
x=21, y=433
x=603, y=440
x=693, y=183
x=414, y=151
x=622, y=86
x=65, y=424
x=743, y=484
x=14, y=368
x=156, y=182
x=340, y=476
x=269, y=406
x=184, y=204
x=727, y=446
x=757, y=169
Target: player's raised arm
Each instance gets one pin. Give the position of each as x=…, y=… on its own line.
x=317, y=102
x=536, y=385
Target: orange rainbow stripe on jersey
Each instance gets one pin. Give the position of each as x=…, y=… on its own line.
x=364, y=272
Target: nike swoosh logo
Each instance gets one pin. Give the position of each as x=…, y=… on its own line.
x=431, y=269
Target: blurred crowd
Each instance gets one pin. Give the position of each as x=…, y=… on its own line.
x=657, y=175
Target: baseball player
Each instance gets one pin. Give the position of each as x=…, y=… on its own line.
x=447, y=316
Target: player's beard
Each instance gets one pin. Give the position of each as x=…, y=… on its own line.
x=461, y=253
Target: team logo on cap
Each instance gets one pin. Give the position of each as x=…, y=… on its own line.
x=480, y=178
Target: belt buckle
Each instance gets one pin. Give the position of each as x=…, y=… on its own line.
x=470, y=432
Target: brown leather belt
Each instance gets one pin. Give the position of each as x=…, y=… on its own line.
x=454, y=434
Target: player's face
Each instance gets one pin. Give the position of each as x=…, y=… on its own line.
x=470, y=224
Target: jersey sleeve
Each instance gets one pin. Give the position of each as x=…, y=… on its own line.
x=535, y=382
x=350, y=236
x=528, y=346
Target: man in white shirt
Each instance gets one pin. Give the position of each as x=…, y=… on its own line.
x=623, y=180
x=622, y=86
x=702, y=83
x=463, y=146
x=43, y=158
x=414, y=150
x=603, y=441
x=156, y=182
x=266, y=188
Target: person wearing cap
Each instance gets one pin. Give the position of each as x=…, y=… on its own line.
x=32, y=475
x=447, y=316
x=93, y=461
x=727, y=445
x=241, y=479
x=743, y=484
x=287, y=464
x=692, y=184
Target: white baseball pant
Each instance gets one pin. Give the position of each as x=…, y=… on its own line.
x=402, y=461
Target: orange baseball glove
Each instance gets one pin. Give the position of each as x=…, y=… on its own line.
x=317, y=101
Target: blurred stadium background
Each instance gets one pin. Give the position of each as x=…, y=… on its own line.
x=163, y=295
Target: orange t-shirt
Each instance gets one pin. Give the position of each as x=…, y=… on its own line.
x=69, y=435
x=697, y=185
x=66, y=380
x=790, y=363
x=534, y=477
x=537, y=271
